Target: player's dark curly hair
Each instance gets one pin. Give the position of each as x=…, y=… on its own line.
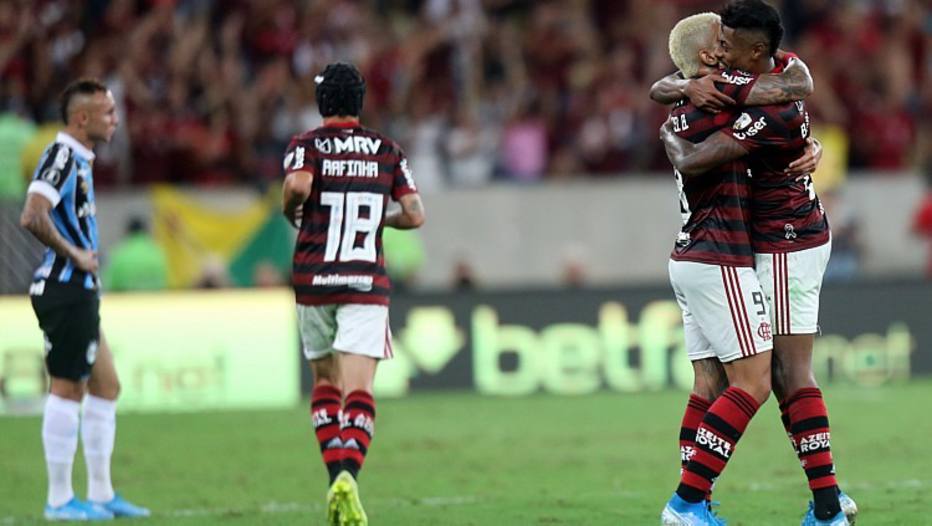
x=755, y=15
x=340, y=90
x=78, y=87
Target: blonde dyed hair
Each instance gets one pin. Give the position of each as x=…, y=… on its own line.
x=690, y=36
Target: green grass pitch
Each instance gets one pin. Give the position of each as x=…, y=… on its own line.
x=462, y=459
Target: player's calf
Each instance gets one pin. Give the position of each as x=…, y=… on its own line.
x=696, y=409
x=357, y=429
x=812, y=439
x=326, y=402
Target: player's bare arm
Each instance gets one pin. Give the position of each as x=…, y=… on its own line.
x=692, y=159
x=411, y=214
x=36, y=219
x=700, y=91
x=295, y=191
x=794, y=83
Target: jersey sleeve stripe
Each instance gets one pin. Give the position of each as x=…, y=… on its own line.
x=46, y=190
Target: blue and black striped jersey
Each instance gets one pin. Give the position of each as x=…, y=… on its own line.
x=64, y=177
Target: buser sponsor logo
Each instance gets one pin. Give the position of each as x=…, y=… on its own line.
x=742, y=122
x=737, y=79
x=704, y=437
x=815, y=442
x=752, y=130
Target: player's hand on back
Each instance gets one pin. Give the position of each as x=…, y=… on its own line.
x=808, y=163
x=85, y=260
x=703, y=93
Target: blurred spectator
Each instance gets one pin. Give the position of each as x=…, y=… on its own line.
x=137, y=262
x=214, y=274
x=464, y=278
x=922, y=221
x=471, y=151
x=573, y=273
x=266, y=274
x=210, y=92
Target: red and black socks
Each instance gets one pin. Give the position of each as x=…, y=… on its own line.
x=716, y=437
x=326, y=401
x=811, y=436
x=357, y=428
x=695, y=410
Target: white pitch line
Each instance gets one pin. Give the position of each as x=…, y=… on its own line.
x=274, y=508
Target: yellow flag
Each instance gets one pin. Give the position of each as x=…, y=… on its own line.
x=194, y=235
x=833, y=170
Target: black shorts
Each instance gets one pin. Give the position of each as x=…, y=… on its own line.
x=69, y=317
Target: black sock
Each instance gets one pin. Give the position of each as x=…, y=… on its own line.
x=826, y=502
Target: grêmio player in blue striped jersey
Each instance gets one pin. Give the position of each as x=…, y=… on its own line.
x=65, y=292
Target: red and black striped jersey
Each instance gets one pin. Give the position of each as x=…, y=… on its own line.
x=338, y=253
x=787, y=215
x=715, y=205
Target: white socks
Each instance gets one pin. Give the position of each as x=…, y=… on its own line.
x=98, y=431
x=60, y=441
x=60, y=425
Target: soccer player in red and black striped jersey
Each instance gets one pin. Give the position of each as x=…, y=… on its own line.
x=711, y=211
x=339, y=179
x=725, y=318
x=791, y=240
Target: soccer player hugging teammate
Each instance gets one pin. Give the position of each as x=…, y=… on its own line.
x=790, y=238
x=65, y=293
x=338, y=179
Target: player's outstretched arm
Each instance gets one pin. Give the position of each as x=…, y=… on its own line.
x=410, y=216
x=36, y=219
x=701, y=92
x=792, y=84
x=694, y=159
x=295, y=191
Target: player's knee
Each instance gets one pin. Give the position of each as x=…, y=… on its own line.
x=707, y=390
x=67, y=389
x=109, y=390
x=755, y=382
x=778, y=384
x=799, y=379
x=324, y=371
x=115, y=389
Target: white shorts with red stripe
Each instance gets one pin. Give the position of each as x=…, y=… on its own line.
x=724, y=312
x=792, y=282
x=352, y=328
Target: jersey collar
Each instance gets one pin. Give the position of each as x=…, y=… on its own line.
x=66, y=139
x=350, y=124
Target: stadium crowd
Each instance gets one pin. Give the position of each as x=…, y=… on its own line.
x=211, y=91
